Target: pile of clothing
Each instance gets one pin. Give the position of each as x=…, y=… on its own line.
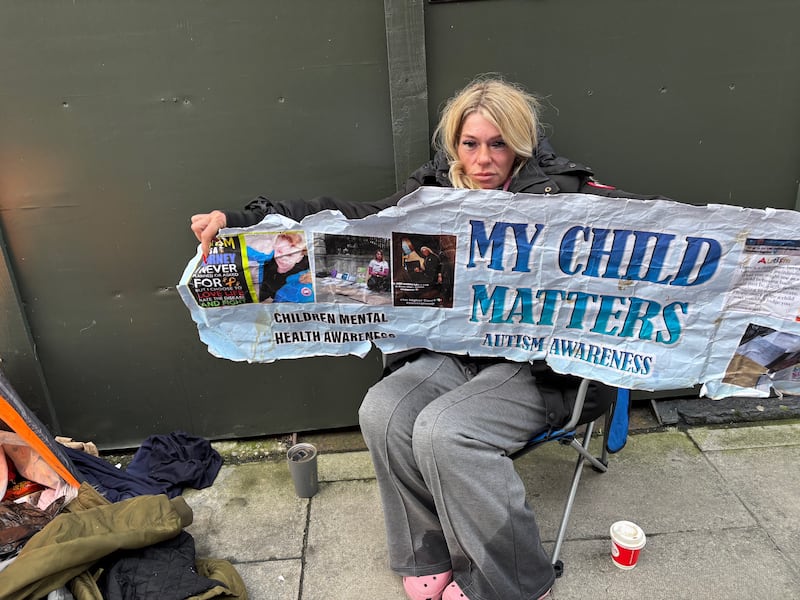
x=118, y=535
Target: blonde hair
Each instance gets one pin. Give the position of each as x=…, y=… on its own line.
x=505, y=105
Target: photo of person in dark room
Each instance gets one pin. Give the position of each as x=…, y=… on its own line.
x=423, y=277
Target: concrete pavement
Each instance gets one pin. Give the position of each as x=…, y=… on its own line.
x=720, y=507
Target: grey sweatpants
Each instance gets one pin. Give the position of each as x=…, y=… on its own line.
x=439, y=431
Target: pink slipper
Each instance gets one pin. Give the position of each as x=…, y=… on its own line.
x=453, y=592
x=427, y=587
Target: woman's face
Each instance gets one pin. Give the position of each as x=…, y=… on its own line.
x=379, y=255
x=486, y=157
x=286, y=255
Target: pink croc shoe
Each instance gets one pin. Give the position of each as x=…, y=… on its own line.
x=453, y=592
x=427, y=587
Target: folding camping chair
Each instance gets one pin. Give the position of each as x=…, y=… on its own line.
x=615, y=434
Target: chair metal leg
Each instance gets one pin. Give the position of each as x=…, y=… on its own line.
x=606, y=432
x=566, y=435
x=584, y=455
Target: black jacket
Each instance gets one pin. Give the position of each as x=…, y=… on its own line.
x=545, y=173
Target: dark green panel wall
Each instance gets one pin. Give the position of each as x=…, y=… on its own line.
x=17, y=350
x=699, y=101
x=119, y=120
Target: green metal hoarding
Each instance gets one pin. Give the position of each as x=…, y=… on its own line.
x=119, y=120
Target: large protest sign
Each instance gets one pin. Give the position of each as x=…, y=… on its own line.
x=638, y=294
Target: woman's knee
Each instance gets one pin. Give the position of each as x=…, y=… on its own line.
x=372, y=415
x=382, y=416
x=439, y=438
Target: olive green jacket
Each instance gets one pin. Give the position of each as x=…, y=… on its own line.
x=90, y=528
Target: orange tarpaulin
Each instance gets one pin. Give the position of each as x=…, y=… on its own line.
x=12, y=418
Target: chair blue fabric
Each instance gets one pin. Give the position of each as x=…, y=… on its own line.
x=615, y=435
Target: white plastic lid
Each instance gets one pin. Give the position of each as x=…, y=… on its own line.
x=628, y=534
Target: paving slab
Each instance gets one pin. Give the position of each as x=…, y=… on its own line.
x=346, y=557
x=735, y=564
x=754, y=436
x=250, y=514
x=659, y=480
x=767, y=480
x=719, y=506
x=272, y=580
x=345, y=466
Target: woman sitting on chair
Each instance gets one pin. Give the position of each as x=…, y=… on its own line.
x=440, y=427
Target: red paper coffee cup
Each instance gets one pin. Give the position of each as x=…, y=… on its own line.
x=627, y=540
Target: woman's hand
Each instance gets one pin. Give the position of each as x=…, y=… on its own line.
x=206, y=226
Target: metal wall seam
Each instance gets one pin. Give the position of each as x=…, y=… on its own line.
x=408, y=85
